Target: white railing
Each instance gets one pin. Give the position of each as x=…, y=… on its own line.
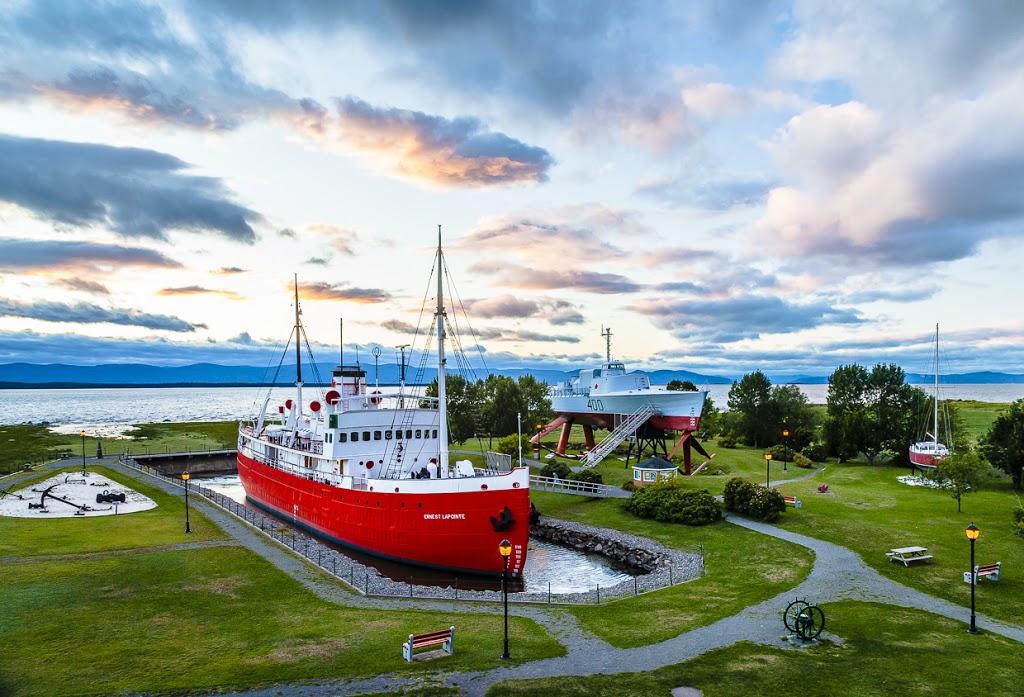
x=571, y=486
x=619, y=434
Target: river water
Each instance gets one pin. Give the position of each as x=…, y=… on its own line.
x=109, y=411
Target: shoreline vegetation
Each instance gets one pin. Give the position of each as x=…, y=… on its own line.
x=128, y=635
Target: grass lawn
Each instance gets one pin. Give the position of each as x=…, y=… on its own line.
x=36, y=444
x=179, y=437
x=101, y=605
x=211, y=618
x=885, y=651
x=158, y=527
x=978, y=417
x=870, y=512
x=743, y=568
x=21, y=445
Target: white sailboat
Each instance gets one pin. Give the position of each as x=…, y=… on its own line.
x=927, y=454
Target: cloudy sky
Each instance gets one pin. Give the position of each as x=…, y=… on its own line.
x=728, y=185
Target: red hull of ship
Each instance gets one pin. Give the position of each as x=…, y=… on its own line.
x=450, y=531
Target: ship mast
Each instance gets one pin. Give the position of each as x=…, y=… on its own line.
x=935, y=435
x=442, y=397
x=298, y=357
x=607, y=334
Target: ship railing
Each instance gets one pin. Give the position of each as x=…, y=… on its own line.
x=569, y=393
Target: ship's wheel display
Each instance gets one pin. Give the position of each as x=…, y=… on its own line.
x=803, y=619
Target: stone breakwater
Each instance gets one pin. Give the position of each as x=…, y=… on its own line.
x=633, y=552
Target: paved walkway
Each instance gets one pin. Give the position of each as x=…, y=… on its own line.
x=837, y=574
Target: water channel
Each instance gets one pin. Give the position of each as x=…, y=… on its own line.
x=549, y=567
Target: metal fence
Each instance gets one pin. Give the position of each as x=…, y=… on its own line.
x=367, y=581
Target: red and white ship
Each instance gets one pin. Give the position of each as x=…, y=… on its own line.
x=927, y=454
x=609, y=397
x=372, y=472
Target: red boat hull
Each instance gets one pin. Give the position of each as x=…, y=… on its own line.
x=608, y=421
x=451, y=531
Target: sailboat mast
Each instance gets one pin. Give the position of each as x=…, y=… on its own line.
x=442, y=397
x=298, y=356
x=935, y=433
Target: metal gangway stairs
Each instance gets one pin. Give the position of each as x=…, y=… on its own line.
x=624, y=430
x=569, y=486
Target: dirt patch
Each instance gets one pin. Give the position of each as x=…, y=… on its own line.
x=220, y=586
x=302, y=650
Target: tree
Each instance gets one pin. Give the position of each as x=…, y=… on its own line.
x=710, y=419
x=845, y=425
x=1003, y=445
x=681, y=386
x=750, y=399
x=534, y=396
x=894, y=406
x=795, y=414
x=960, y=473
x=870, y=412
x=463, y=401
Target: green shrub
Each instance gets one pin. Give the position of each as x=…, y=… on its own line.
x=668, y=503
x=509, y=445
x=801, y=460
x=628, y=485
x=766, y=504
x=1018, y=522
x=589, y=476
x=779, y=452
x=556, y=469
x=816, y=451
x=737, y=495
x=753, y=500
x=728, y=440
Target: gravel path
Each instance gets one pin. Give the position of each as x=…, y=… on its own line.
x=837, y=574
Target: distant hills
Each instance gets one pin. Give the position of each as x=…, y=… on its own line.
x=27, y=375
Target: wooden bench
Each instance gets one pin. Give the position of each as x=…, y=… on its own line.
x=980, y=570
x=445, y=637
x=793, y=501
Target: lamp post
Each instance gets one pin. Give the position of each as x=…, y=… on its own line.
x=785, y=449
x=505, y=547
x=972, y=533
x=767, y=470
x=83, y=452
x=184, y=477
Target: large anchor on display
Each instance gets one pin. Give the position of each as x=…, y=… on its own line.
x=503, y=520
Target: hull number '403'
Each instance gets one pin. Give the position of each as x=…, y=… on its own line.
x=595, y=404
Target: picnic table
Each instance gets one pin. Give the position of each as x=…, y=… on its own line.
x=908, y=554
